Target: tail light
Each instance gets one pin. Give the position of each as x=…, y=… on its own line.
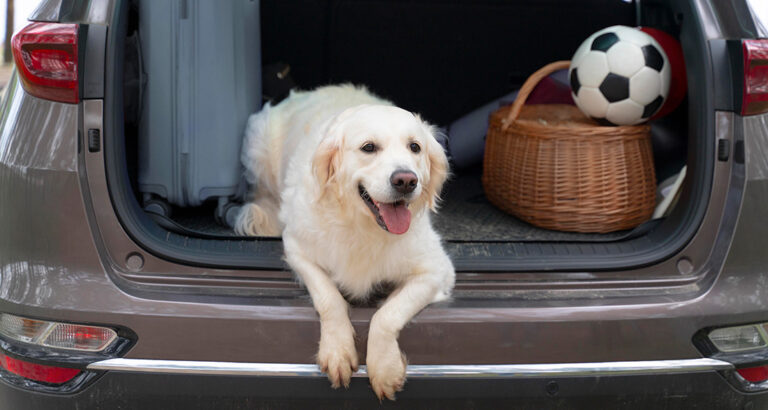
x=746, y=347
x=46, y=59
x=56, y=335
x=53, y=357
x=754, y=374
x=37, y=372
x=739, y=338
x=755, y=95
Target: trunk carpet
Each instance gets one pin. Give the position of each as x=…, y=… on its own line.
x=465, y=215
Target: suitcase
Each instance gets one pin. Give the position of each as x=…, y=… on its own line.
x=202, y=62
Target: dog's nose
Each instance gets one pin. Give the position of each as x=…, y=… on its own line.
x=404, y=182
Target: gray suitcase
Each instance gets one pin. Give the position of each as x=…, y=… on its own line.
x=202, y=61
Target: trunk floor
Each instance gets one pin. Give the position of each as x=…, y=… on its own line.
x=464, y=215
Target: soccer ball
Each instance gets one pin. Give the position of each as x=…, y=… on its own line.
x=619, y=76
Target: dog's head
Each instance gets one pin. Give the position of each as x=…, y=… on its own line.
x=382, y=162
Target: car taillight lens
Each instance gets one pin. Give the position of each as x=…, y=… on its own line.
x=76, y=337
x=37, y=372
x=46, y=58
x=738, y=338
x=22, y=329
x=56, y=335
x=754, y=374
x=755, y=95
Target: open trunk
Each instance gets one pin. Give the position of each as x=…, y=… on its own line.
x=442, y=59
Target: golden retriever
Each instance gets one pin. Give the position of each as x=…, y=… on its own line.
x=349, y=180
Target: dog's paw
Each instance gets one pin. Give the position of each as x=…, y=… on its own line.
x=386, y=366
x=256, y=220
x=337, y=358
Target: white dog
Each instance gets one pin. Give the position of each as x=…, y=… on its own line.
x=349, y=180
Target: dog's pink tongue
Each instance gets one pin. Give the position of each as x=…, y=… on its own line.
x=396, y=217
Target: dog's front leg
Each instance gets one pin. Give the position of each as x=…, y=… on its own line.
x=336, y=356
x=385, y=362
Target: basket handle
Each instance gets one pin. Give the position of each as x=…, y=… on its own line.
x=528, y=87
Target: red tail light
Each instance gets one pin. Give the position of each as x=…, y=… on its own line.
x=754, y=374
x=46, y=59
x=755, y=100
x=37, y=372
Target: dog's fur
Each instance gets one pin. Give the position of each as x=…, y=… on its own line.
x=306, y=160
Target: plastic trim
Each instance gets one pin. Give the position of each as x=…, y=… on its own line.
x=92, y=81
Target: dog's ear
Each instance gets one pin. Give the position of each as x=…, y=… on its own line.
x=326, y=162
x=437, y=166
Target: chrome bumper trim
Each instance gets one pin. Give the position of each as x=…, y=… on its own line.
x=651, y=367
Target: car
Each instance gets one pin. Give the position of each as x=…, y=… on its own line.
x=115, y=294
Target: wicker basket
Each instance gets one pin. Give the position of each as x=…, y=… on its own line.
x=553, y=167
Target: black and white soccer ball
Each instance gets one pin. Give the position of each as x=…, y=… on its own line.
x=619, y=76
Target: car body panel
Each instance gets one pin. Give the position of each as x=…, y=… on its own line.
x=79, y=11
x=77, y=282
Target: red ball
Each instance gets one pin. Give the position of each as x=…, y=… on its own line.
x=678, y=83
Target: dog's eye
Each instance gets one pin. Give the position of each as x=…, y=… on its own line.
x=416, y=148
x=368, y=147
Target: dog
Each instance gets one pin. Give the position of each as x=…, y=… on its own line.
x=350, y=180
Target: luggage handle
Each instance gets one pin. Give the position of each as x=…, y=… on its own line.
x=528, y=86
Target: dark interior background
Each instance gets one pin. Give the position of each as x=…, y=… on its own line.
x=441, y=58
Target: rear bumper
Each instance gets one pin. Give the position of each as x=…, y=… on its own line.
x=129, y=390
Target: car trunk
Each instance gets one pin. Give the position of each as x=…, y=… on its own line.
x=442, y=59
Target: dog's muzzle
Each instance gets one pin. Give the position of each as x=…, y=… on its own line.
x=394, y=217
